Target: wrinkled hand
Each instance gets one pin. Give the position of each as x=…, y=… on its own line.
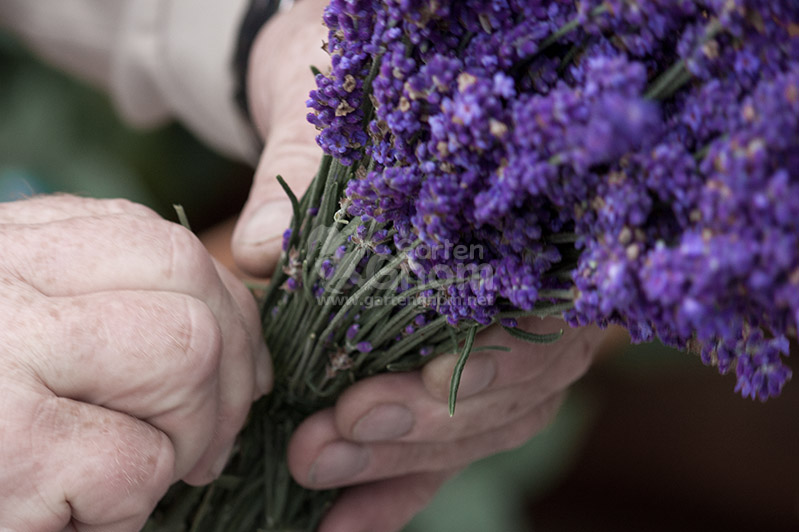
x=128, y=360
x=390, y=437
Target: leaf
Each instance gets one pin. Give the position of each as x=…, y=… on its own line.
x=501, y=348
x=295, y=207
x=399, y=367
x=562, y=238
x=458, y=371
x=182, y=218
x=295, y=204
x=532, y=337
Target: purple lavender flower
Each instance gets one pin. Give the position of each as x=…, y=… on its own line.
x=352, y=332
x=662, y=134
x=327, y=270
x=286, y=239
x=364, y=347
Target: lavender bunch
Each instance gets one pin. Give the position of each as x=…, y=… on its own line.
x=661, y=137
x=617, y=161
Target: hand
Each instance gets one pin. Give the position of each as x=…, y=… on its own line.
x=128, y=361
x=280, y=80
x=389, y=437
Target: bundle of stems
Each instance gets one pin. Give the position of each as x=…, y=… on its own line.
x=315, y=359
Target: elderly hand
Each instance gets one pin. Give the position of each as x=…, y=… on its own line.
x=390, y=437
x=129, y=360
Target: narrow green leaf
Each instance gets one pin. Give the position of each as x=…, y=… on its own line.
x=542, y=309
x=562, y=238
x=295, y=204
x=295, y=207
x=532, y=337
x=676, y=77
x=566, y=295
x=401, y=367
x=315, y=71
x=502, y=348
x=458, y=371
x=663, y=86
x=182, y=218
x=453, y=338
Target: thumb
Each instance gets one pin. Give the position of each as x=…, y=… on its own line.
x=278, y=82
x=258, y=236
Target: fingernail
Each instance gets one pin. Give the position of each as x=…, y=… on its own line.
x=383, y=422
x=266, y=225
x=221, y=462
x=337, y=463
x=477, y=375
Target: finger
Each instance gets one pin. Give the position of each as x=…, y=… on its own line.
x=239, y=384
x=95, y=469
x=398, y=407
x=252, y=320
x=316, y=461
x=44, y=209
x=383, y=506
x=524, y=361
x=257, y=239
x=152, y=355
x=137, y=253
x=120, y=468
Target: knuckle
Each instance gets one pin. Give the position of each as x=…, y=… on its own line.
x=426, y=486
x=581, y=356
x=101, y=456
x=136, y=462
x=201, y=338
x=188, y=258
x=521, y=431
x=59, y=202
x=531, y=364
x=185, y=241
x=233, y=414
x=512, y=409
x=124, y=206
x=573, y=361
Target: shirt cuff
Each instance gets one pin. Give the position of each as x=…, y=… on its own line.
x=175, y=59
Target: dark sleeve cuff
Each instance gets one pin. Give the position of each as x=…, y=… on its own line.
x=258, y=13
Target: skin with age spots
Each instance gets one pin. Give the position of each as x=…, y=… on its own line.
x=126, y=364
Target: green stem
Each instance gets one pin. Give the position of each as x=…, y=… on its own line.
x=676, y=77
x=458, y=371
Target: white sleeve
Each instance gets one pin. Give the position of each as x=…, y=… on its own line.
x=159, y=59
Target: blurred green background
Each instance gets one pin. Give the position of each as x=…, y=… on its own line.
x=58, y=135
x=648, y=441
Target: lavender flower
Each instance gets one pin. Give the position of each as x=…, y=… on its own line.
x=662, y=133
